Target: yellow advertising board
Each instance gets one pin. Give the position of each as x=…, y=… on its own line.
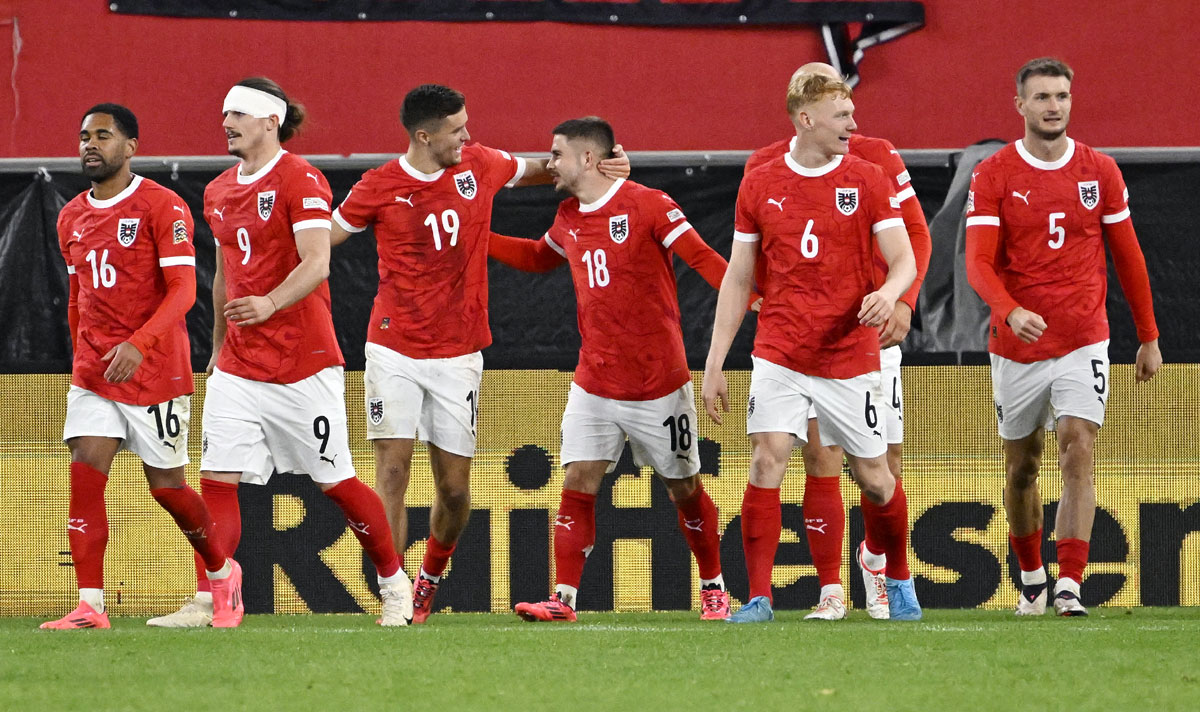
x=299, y=556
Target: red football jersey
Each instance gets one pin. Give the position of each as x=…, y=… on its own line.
x=882, y=153
x=118, y=249
x=816, y=227
x=628, y=308
x=254, y=220
x=431, y=231
x=1051, y=246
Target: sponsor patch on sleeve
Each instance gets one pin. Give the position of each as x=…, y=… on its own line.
x=903, y=178
x=895, y=202
x=179, y=230
x=675, y=214
x=315, y=204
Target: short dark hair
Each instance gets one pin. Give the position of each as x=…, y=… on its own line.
x=1042, y=67
x=124, y=119
x=427, y=103
x=590, y=128
x=295, y=114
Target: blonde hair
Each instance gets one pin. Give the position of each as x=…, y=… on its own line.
x=806, y=89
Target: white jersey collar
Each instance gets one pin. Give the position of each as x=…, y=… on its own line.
x=593, y=207
x=97, y=203
x=247, y=180
x=1046, y=165
x=812, y=172
x=427, y=177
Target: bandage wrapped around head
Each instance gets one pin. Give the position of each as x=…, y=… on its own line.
x=253, y=102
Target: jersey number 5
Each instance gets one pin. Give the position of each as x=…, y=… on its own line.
x=1057, y=230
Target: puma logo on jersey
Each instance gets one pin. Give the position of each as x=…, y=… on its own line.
x=360, y=527
x=564, y=522
x=77, y=234
x=776, y=203
x=176, y=207
x=693, y=524
x=407, y=201
x=219, y=213
x=574, y=234
x=315, y=180
x=170, y=445
x=876, y=432
x=820, y=529
x=76, y=527
x=329, y=460
x=685, y=458
x=1024, y=198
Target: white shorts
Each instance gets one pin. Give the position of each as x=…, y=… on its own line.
x=661, y=432
x=893, y=394
x=850, y=412
x=435, y=398
x=1035, y=395
x=257, y=428
x=158, y=433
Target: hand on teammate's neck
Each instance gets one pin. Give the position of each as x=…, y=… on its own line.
x=592, y=187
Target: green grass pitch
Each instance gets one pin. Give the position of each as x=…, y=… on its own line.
x=1117, y=659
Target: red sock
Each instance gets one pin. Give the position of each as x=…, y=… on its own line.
x=365, y=515
x=221, y=498
x=1028, y=549
x=574, y=535
x=762, y=523
x=698, y=520
x=437, y=556
x=87, y=524
x=887, y=532
x=188, y=510
x=825, y=526
x=1072, y=558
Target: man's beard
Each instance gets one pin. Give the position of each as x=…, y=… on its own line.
x=102, y=172
x=1048, y=135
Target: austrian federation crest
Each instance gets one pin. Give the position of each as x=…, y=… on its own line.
x=1089, y=193
x=618, y=228
x=266, y=201
x=846, y=200
x=127, y=231
x=465, y=184
x=375, y=410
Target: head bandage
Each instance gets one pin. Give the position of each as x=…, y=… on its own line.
x=253, y=102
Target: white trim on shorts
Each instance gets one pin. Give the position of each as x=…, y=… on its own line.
x=436, y=399
x=258, y=428
x=595, y=428
x=1035, y=395
x=781, y=401
x=892, y=384
x=136, y=426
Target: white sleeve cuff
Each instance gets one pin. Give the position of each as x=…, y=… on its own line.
x=181, y=261
x=674, y=234
x=521, y=163
x=70, y=269
x=311, y=224
x=1116, y=218
x=983, y=220
x=341, y=221
x=906, y=194
x=554, y=246
x=885, y=224
x=746, y=236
